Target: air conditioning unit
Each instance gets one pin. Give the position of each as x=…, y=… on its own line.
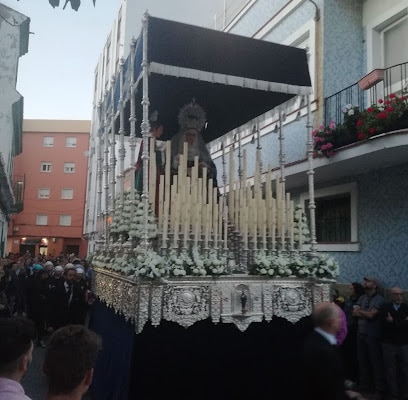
x=16, y=228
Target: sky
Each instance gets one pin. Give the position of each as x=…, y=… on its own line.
x=56, y=76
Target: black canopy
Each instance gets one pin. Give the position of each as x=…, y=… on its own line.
x=234, y=78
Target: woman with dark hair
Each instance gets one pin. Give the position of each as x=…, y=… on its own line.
x=349, y=347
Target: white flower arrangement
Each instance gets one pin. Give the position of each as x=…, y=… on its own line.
x=179, y=264
x=324, y=266
x=198, y=267
x=215, y=265
x=300, y=225
x=150, y=265
x=302, y=265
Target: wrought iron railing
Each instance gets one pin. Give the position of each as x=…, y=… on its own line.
x=18, y=191
x=395, y=81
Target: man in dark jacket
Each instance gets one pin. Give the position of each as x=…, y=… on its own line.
x=394, y=318
x=321, y=361
x=68, y=300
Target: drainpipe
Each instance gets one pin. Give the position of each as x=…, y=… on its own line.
x=317, y=14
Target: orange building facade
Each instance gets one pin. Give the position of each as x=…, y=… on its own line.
x=52, y=169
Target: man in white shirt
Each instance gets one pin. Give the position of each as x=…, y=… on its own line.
x=16, y=351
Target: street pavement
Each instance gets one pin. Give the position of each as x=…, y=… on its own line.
x=34, y=383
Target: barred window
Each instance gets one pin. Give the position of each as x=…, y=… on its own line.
x=333, y=219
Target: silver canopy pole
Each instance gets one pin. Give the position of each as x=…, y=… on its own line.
x=145, y=127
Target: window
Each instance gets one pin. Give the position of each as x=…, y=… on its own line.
x=71, y=142
x=393, y=36
x=44, y=193
x=46, y=166
x=69, y=168
x=48, y=141
x=335, y=217
x=386, y=45
x=42, y=219
x=65, y=220
x=67, y=194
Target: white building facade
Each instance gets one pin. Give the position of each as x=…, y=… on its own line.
x=14, y=33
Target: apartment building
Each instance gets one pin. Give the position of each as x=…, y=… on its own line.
x=52, y=168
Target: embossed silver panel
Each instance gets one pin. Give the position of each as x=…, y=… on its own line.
x=240, y=300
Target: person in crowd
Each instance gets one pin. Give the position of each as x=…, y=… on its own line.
x=349, y=347
x=88, y=273
x=323, y=377
x=57, y=274
x=369, y=352
x=68, y=300
x=38, y=301
x=394, y=320
x=8, y=284
x=16, y=349
x=49, y=266
x=192, y=119
x=342, y=332
x=82, y=284
x=69, y=362
x=4, y=307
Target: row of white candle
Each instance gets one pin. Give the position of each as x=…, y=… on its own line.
x=189, y=206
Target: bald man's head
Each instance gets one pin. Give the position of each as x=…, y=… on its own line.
x=326, y=316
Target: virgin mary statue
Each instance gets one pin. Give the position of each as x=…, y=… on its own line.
x=192, y=119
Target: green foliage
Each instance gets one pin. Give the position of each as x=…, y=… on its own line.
x=75, y=4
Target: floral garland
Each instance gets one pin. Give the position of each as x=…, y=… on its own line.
x=301, y=265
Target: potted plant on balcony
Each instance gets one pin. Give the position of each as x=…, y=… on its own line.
x=385, y=116
x=323, y=140
x=346, y=133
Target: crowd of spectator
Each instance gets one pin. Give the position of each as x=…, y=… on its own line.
x=50, y=291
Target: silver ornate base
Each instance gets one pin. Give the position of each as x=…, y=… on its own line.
x=238, y=299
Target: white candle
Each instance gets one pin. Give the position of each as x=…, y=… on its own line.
x=152, y=173
x=226, y=228
x=215, y=217
x=291, y=223
x=273, y=229
x=165, y=222
x=161, y=197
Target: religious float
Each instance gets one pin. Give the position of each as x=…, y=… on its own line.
x=192, y=248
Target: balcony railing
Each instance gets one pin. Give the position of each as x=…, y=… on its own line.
x=18, y=191
x=395, y=81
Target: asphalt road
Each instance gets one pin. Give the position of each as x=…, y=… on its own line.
x=34, y=383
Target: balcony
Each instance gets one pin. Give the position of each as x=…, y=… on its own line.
x=18, y=185
x=376, y=105
x=395, y=81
